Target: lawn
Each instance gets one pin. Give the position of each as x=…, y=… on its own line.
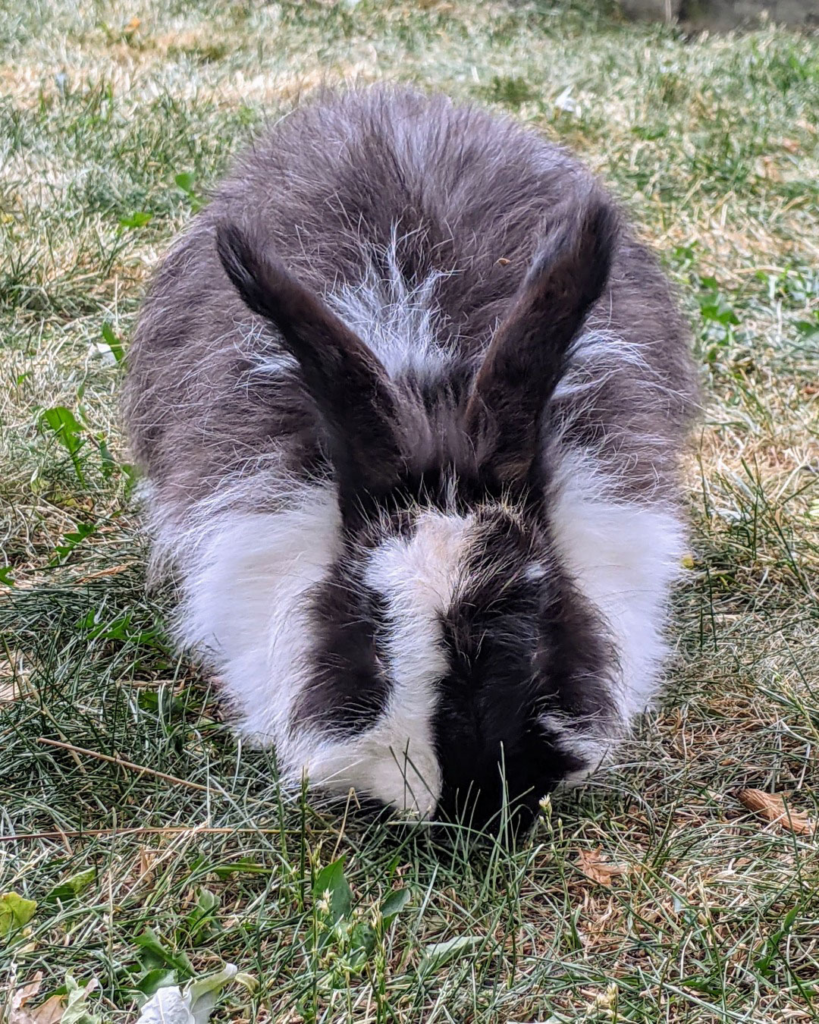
x=152, y=846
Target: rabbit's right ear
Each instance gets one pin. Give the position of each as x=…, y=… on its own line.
x=344, y=378
x=529, y=353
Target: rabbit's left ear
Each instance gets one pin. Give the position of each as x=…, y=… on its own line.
x=528, y=355
x=350, y=387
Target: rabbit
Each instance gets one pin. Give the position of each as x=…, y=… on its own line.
x=409, y=400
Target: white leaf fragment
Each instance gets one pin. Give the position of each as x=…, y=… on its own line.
x=103, y=351
x=172, y=1005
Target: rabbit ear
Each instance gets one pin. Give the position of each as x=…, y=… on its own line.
x=528, y=354
x=349, y=385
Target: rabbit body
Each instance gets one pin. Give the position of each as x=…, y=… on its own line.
x=409, y=400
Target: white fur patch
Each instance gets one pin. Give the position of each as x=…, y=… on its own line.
x=418, y=578
x=624, y=557
x=245, y=605
x=247, y=584
x=397, y=321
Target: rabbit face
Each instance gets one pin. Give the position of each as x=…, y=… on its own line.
x=449, y=640
x=452, y=661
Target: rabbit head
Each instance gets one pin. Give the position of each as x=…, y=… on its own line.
x=456, y=669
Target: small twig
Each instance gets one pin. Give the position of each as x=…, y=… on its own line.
x=146, y=830
x=122, y=763
x=110, y=571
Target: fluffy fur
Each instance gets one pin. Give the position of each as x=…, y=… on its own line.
x=410, y=399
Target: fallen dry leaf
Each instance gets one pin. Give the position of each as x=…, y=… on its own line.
x=772, y=807
x=593, y=866
x=26, y=993
x=49, y=1012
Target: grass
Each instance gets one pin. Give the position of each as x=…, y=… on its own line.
x=114, y=121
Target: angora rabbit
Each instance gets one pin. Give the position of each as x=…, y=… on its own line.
x=409, y=400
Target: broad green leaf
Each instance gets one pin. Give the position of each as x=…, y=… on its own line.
x=187, y=183
x=68, y=432
x=112, y=341
x=15, y=912
x=76, y=1009
x=159, y=977
x=65, y=425
x=71, y=888
x=394, y=904
x=157, y=954
x=138, y=219
x=331, y=880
